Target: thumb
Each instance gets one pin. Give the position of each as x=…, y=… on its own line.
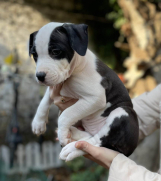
x=85, y=146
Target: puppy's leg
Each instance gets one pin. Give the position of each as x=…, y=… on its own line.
x=77, y=134
x=69, y=152
x=72, y=114
x=41, y=117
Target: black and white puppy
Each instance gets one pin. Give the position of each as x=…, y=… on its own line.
x=104, y=106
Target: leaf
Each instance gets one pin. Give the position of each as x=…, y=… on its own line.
x=118, y=23
x=112, y=2
x=112, y=15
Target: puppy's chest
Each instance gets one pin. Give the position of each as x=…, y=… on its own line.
x=69, y=90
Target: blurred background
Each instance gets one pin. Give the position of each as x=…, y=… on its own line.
x=126, y=35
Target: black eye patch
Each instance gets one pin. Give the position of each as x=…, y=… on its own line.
x=59, y=46
x=34, y=53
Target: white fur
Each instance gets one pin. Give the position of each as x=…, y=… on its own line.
x=41, y=117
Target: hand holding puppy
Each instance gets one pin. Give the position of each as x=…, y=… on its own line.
x=100, y=155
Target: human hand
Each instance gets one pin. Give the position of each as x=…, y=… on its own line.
x=61, y=101
x=100, y=155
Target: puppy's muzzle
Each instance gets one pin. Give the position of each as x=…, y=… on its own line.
x=41, y=76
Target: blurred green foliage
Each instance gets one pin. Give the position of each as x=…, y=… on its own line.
x=105, y=33
x=2, y=175
x=31, y=176
x=116, y=15
x=81, y=169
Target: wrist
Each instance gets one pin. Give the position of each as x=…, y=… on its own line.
x=112, y=156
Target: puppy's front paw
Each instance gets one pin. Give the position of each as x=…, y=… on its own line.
x=38, y=127
x=63, y=137
x=69, y=152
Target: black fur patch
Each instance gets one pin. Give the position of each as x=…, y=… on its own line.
x=59, y=46
x=124, y=131
x=116, y=93
x=123, y=134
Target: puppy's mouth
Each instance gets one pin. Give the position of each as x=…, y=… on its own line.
x=47, y=83
x=41, y=83
x=44, y=83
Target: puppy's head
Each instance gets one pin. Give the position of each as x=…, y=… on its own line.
x=53, y=48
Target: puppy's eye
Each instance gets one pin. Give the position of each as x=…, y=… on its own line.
x=56, y=52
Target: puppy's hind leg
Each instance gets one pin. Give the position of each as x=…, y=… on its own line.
x=77, y=134
x=121, y=132
x=69, y=152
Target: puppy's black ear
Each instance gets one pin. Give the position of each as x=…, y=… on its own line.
x=78, y=37
x=31, y=42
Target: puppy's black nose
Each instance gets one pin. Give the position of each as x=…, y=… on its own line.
x=41, y=76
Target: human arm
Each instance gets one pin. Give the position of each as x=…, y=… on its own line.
x=120, y=167
x=146, y=107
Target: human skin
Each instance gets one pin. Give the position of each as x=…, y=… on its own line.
x=100, y=155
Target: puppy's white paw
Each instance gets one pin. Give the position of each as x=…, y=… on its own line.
x=38, y=127
x=62, y=136
x=69, y=152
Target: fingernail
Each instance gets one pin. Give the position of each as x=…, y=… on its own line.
x=77, y=145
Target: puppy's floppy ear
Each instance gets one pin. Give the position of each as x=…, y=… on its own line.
x=31, y=42
x=78, y=37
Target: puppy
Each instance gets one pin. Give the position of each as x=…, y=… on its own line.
x=104, y=106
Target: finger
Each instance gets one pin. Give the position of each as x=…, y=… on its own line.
x=82, y=145
x=56, y=139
